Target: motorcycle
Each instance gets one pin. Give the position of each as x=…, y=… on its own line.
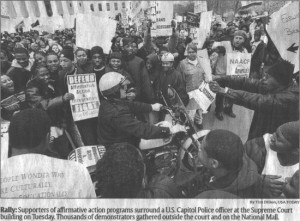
x=177, y=154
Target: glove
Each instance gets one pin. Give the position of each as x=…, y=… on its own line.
x=68, y=97
x=156, y=107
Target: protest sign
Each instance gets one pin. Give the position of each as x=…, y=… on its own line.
x=238, y=64
x=86, y=102
x=274, y=6
x=203, y=96
x=97, y=31
x=163, y=14
x=88, y=156
x=200, y=6
x=192, y=19
x=13, y=102
x=283, y=29
x=204, y=28
x=4, y=140
x=124, y=18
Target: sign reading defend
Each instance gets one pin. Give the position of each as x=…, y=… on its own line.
x=238, y=64
x=86, y=102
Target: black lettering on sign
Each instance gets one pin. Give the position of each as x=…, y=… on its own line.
x=287, y=18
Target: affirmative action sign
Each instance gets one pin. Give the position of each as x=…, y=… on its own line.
x=86, y=103
x=238, y=64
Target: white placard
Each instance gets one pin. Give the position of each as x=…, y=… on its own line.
x=203, y=96
x=92, y=30
x=204, y=28
x=164, y=15
x=238, y=64
x=284, y=31
x=88, y=156
x=200, y=6
x=86, y=102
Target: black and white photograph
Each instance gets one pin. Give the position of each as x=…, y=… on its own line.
x=149, y=110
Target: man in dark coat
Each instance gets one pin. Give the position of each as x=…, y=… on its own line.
x=170, y=77
x=222, y=152
x=116, y=121
x=275, y=99
x=137, y=69
x=20, y=71
x=258, y=55
x=131, y=180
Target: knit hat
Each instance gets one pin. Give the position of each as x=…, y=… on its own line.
x=282, y=72
x=115, y=55
x=127, y=40
x=21, y=50
x=290, y=131
x=67, y=52
x=226, y=147
x=240, y=33
x=96, y=50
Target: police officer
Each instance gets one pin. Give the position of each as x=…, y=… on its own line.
x=116, y=121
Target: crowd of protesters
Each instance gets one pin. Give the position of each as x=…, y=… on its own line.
x=133, y=81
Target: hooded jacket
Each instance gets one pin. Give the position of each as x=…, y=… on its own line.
x=271, y=109
x=19, y=75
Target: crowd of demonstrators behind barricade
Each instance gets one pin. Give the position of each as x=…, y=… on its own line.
x=133, y=85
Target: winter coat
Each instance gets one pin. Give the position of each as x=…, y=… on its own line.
x=174, y=79
x=258, y=57
x=256, y=150
x=246, y=183
x=5, y=66
x=19, y=75
x=117, y=123
x=192, y=75
x=271, y=109
x=135, y=66
x=161, y=186
x=154, y=71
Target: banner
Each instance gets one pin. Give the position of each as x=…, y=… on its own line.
x=200, y=6
x=283, y=29
x=86, y=103
x=97, y=31
x=163, y=16
x=203, y=96
x=204, y=28
x=238, y=64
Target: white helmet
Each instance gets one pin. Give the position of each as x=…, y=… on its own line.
x=110, y=83
x=167, y=57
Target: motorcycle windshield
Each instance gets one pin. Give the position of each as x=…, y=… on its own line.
x=177, y=102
